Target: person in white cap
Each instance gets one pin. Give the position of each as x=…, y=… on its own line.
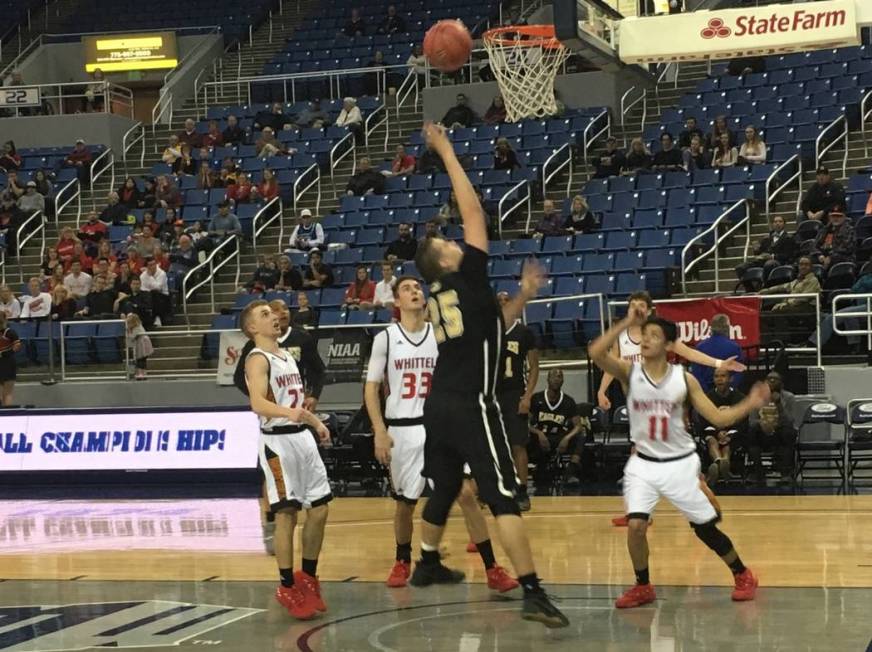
x=307, y=235
x=31, y=201
x=80, y=158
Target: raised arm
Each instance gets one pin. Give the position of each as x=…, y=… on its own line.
x=725, y=416
x=599, y=350
x=474, y=225
x=532, y=279
x=692, y=355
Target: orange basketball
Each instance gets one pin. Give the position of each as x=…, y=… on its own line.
x=447, y=45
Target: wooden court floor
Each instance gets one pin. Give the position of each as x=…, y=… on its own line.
x=790, y=541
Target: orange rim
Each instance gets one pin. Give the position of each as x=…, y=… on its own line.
x=536, y=36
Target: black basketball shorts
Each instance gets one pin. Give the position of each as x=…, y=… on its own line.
x=516, y=425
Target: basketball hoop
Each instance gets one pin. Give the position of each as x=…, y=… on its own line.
x=525, y=60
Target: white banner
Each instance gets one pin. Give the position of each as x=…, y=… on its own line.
x=732, y=33
x=129, y=441
x=229, y=348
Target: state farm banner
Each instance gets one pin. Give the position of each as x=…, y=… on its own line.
x=229, y=348
x=732, y=33
x=694, y=318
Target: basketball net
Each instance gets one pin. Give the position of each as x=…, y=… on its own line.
x=525, y=60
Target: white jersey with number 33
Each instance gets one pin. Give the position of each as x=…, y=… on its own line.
x=285, y=385
x=656, y=412
x=407, y=360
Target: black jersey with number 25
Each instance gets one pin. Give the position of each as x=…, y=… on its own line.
x=468, y=326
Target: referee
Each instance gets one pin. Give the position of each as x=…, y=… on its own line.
x=461, y=416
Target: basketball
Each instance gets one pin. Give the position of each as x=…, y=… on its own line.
x=447, y=45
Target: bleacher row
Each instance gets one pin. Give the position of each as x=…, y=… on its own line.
x=49, y=159
x=83, y=343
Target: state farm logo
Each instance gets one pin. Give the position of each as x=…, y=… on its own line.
x=716, y=29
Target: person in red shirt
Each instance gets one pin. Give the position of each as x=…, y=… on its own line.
x=240, y=192
x=135, y=262
x=403, y=163
x=92, y=232
x=213, y=137
x=268, y=189
x=104, y=250
x=128, y=194
x=166, y=193
x=80, y=158
x=65, y=245
x=82, y=257
x=56, y=279
x=160, y=257
x=361, y=292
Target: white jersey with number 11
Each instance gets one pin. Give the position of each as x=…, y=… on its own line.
x=656, y=412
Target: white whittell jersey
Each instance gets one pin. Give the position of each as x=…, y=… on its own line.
x=628, y=349
x=285, y=385
x=656, y=412
x=407, y=361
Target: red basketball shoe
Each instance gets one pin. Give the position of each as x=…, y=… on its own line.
x=620, y=521
x=311, y=588
x=746, y=586
x=636, y=596
x=399, y=574
x=292, y=599
x=471, y=547
x=499, y=580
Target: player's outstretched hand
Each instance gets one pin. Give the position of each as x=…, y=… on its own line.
x=731, y=364
x=637, y=316
x=383, y=444
x=759, y=395
x=532, y=278
x=436, y=138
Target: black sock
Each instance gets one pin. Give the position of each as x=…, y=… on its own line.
x=287, y=576
x=522, y=489
x=530, y=583
x=430, y=557
x=737, y=566
x=270, y=517
x=486, y=550
x=404, y=552
x=642, y=576
x=310, y=567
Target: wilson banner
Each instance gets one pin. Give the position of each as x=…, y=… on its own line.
x=694, y=318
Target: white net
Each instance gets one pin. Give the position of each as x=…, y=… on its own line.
x=525, y=61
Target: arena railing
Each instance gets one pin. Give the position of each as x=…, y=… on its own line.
x=54, y=96
x=560, y=160
x=725, y=219
x=221, y=256
x=515, y=199
x=408, y=89
x=865, y=115
x=347, y=146
x=69, y=193
x=821, y=147
x=376, y=119
x=855, y=316
x=269, y=213
x=639, y=94
x=30, y=228
x=794, y=167
x=87, y=372
x=100, y=167
x=602, y=122
x=133, y=136
x=310, y=178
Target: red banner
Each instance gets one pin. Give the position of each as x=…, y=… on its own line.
x=694, y=318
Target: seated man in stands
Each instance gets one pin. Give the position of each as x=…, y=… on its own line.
x=224, y=224
x=233, y=134
x=720, y=346
x=366, y=181
x=313, y=116
x=822, y=196
x=777, y=248
x=355, y=26
x=100, y=301
x=268, y=145
x=154, y=281
x=551, y=222
x=773, y=428
x=555, y=426
x=351, y=117
x=275, y=119
x=722, y=444
x=836, y=241
x=137, y=302
x=92, y=232
x=183, y=256
x=392, y=23
x=36, y=304
x=610, y=161
x=84, y=259
x=404, y=247
x=166, y=193
x=9, y=305
x=80, y=158
x=115, y=213
x=265, y=276
x=669, y=157
x=307, y=235
x=190, y=136
x=384, y=289
x=77, y=282
x=805, y=283
x=317, y=273
x=459, y=115
x=31, y=201
x=403, y=162
x=690, y=130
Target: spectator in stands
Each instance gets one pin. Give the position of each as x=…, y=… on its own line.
x=265, y=276
x=351, y=117
x=392, y=23
x=275, y=119
x=154, y=281
x=610, y=161
x=313, y=116
x=9, y=159
x=92, y=232
x=123, y=278
x=14, y=188
x=361, y=291
x=417, y=63
x=224, y=224
x=104, y=250
x=668, y=158
x=267, y=145
x=431, y=229
x=384, y=289
x=580, y=219
x=102, y=268
x=149, y=221
x=166, y=193
x=239, y=192
x=863, y=285
x=719, y=128
x=746, y=66
x=31, y=201
x=9, y=305
x=80, y=159
x=720, y=346
x=308, y=235
x=160, y=257
x=36, y=304
x=366, y=181
x=56, y=279
x=753, y=150
x=449, y=212
x=190, y=136
x=289, y=276
x=51, y=261
x=213, y=137
x=429, y=162
x=459, y=115
x=172, y=151
x=268, y=188
x=140, y=345
x=183, y=256
x=403, y=162
x=773, y=428
x=62, y=307
x=355, y=26
x=404, y=247
x=777, y=248
x=43, y=185
x=206, y=177
x=135, y=260
x=304, y=315
x=550, y=223
x=835, y=242
x=233, y=133
x=690, y=130
x=137, y=302
x=129, y=195
x=821, y=197
x=694, y=156
x=371, y=79
x=77, y=282
x=317, y=273
x=806, y=282
x=639, y=159
x=95, y=93
x=82, y=256
x=198, y=234
x=228, y=173
x=185, y=164
x=722, y=443
x=725, y=155
x=99, y=303
x=66, y=244
x=496, y=112
x=148, y=198
x=115, y=213
x=504, y=156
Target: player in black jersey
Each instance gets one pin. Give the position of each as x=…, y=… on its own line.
x=518, y=378
x=556, y=425
x=461, y=415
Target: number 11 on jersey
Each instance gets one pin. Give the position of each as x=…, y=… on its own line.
x=652, y=428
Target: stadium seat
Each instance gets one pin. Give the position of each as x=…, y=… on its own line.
x=816, y=452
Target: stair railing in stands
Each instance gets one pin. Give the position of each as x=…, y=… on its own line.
x=310, y=178
x=134, y=135
x=38, y=219
x=602, y=123
x=108, y=165
x=792, y=166
x=631, y=97
x=269, y=213
x=522, y=196
x=727, y=218
x=865, y=114
x=821, y=147
x=229, y=252
x=856, y=312
x=341, y=150
x=70, y=192
x=376, y=119
x=561, y=159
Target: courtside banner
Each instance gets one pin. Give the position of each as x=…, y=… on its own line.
x=732, y=33
x=128, y=441
x=694, y=318
x=230, y=347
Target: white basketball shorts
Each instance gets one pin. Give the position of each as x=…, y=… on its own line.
x=407, y=462
x=678, y=482
x=293, y=470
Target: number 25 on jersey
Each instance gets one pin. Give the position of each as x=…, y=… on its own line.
x=445, y=316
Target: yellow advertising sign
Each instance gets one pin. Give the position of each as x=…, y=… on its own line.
x=120, y=52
